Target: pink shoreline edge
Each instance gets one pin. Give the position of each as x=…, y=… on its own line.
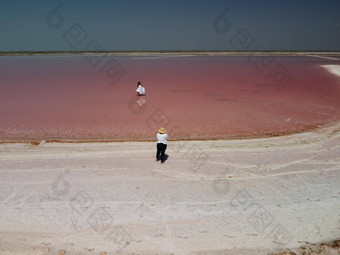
x=72, y=141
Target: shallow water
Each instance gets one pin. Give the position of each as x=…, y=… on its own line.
x=73, y=97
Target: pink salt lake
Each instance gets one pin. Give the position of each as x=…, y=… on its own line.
x=64, y=97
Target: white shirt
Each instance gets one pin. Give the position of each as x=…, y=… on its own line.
x=162, y=138
x=141, y=90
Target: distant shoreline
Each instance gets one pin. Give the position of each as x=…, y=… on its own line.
x=198, y=53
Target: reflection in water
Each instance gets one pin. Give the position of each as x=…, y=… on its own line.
x=140, y=101
x=137, y=105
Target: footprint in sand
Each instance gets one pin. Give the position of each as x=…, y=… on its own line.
x=203, y=231
x=252, y=234
x=229, y=236
x=183, y=237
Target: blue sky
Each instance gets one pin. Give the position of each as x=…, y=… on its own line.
x=28, y=25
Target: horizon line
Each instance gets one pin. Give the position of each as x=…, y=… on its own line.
x=285, y=52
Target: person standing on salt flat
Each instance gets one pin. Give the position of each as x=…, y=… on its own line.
x=161, y=144
x=140, y=89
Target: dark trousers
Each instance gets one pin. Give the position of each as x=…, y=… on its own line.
x=161, y=147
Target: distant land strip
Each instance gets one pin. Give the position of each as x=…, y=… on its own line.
x=199, y=53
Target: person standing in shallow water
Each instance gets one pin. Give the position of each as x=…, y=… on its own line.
x=140, y=89
x=161, y=144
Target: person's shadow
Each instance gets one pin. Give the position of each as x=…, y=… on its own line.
x=166, y=156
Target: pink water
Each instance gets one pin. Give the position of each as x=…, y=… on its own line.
x=199, y=97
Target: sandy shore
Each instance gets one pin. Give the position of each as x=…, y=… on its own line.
x=334, y=69
x=251, y=196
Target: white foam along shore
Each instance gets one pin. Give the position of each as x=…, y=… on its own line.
x=334, y=69
x=251, y=196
